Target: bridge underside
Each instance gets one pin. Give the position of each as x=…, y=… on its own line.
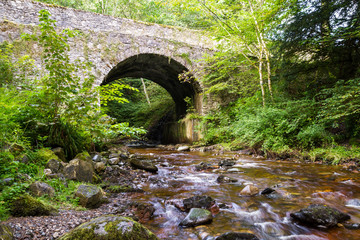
x=159, y=69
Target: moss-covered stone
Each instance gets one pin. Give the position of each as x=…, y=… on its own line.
x=45, y=155
x=79, y=170
x=26, y=205
x=84, y=156
x=5, y=233
x=89, y=196
x=110, y=227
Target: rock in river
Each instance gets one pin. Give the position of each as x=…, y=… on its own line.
x=196, y=217
x=249, y=190
x=237, y=236
x=144, y=165
x=198, y=202
x=110, y=227
x=320, y=215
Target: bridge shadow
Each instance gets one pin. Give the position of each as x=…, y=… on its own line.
x=160, y=69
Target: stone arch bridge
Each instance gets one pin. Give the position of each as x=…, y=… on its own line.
x=120, y=48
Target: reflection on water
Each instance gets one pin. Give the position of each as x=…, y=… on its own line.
x=296, y=185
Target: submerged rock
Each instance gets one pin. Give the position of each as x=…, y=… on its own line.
x=5, y=233
x=203, y=166
x=141, y=212
x=39, y=189
x=89, y=196
x=144, y=165
x=205, y=202
x=110, y=227
x=320, y=215
x=237, y=236
x=197, y=216
x=225, y=179
x=227, y=163
x=26, y=205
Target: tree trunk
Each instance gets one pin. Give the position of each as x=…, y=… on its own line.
x=146, y=94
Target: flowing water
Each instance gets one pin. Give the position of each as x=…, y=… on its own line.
x=297, y=186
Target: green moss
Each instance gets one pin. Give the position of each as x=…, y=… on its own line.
x=110, y=227
x=5, y=233
x=84, y=156
x=120, y=189
x=45, y=154
x=26, y=205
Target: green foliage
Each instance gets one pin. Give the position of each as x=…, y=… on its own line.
x=114, y=92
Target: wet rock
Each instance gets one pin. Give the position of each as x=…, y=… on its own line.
x=60, y=153
x=225, y=179
x=203, y=166
x=354, y=203
x=99, y=167
x=227, y=163
x=237, y=236
x=320, y=215
x=197, y=216
x=141, y=212
x=89, y=196
x=5, y=233
x=39, y=189
x=110, y=227
x=267, y=191
x=144, y=165
x=352, y=226
x=249, y=190
x=183, y=148
x=205, y=202
x=26, y=205
x=114, y=161
x=80, y=170
x=54, y=165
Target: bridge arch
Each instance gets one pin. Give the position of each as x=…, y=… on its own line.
x=160, y=69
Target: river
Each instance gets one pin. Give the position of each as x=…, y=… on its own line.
x=297, y=185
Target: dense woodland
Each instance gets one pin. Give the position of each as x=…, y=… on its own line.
x=286, y=75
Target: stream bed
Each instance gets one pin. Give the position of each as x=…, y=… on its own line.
x=297, y=186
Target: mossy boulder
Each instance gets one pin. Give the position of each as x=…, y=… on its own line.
x=55, y=165
x=84, y=156
x=5, y=233
x=320, y=215
x=26, y=205
x=45, y=154
x=89, y=196
x=110, y=227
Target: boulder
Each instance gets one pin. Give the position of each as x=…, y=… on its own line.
x=144, y=165
x=225, y=179
x=110, y=227
x=39, y=189
x=54, y=165
x=85, y=156
x=205, y=202
x=79, y=170
x=5, y=233
x=237, y=236
x=26, y=205
x=60, y=153
x=141, y=212
x=196, y=217
x=89, y=196
x=100, y=167
x=46, y=154
x=320, y=215
x=249, y=190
